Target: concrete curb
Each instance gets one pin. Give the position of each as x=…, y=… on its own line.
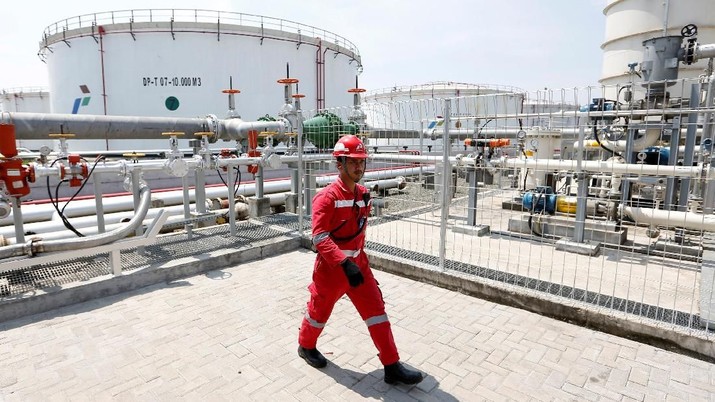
x=108, y=285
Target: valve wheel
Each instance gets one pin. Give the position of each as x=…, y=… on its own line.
x=288, y=81
x=61, y=135
x=170, y=133
x=356, y=90
x=689, y=30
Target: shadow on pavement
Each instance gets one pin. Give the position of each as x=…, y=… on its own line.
x=371, y=385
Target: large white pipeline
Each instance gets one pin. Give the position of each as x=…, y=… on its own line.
x=43, y=214
x=687, y=220
x=650, y=138
x=605, y=167
x=40, y=246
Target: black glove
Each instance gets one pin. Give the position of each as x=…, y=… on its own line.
x=352, y=271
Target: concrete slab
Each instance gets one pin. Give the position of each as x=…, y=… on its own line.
x=477, y=230
x=230, y=334
x=588, y=247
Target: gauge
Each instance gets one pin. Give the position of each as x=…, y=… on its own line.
x=521, y=134
x=45, y=150
x=534, y=143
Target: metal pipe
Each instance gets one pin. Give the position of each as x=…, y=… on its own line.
x=650, y=138
x=37, y=126
x=605, y=166
x=231, y=202
x=706, y=51
x=384, y=184
x=17, y=219
x=581, y=193
x=708, y=132
x=672, y=160
x=43, y=212
x=690, y=135
x=186, y=205
x=97, y=184
x=299, y=188
x=35, y=247
x=680, y=219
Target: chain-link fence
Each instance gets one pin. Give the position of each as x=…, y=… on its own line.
x=601, y=195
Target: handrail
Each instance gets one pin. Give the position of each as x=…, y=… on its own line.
x=193, y=15
x=440, y=85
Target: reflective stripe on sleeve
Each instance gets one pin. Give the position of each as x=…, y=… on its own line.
x=351, y=253
x=320, y=237
x=344, y=203
x=378, y=319
x=314, y=323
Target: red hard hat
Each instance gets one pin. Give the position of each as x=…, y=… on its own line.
x=350, y=146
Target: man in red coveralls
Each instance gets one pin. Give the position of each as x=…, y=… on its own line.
x=340, y=213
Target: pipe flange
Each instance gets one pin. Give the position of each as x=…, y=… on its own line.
x=33, y=247
x=214, y=127
x=690, y=47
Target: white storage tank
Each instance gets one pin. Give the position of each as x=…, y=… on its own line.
x=175, y=63
x=630, y=22
x=26, y=100
x=404, y=111
x=401, y=107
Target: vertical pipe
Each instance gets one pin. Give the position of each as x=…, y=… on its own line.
x=672, y=160
x=200, y=190
x=97, y=182
x=690, y=134
x=232, y=201
x=259, y=182
x=187, y=204
x=294, y=178
x=310, y=184
x=708, y=132
x=136, y=179
x=582, y=189
x=17, y=219
x=299, y=187
x=446, y=182
x=473, y=194
x=422, y=149
x=628, y=156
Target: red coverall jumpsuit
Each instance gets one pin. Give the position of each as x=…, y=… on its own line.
x=338, y=214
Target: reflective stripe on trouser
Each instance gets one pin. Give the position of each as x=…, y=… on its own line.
x=328, y=286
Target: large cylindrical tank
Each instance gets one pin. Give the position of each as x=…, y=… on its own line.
x=26, y=100
x=30, y=100
x=409, y=111
x=629, y=23
x=401, y=107
x=176, y=63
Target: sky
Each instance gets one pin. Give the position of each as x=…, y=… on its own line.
x=529, y=44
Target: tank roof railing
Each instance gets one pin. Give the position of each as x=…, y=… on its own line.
x=443, y=85
x=23, y=90
x=195, y=15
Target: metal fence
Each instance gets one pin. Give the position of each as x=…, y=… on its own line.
x=601, y=195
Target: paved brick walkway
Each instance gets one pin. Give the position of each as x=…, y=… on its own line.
x=231, y=335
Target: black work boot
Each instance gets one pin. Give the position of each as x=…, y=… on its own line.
x=312, y=357
x=396, y=372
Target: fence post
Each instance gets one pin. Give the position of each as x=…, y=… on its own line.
x=446, y=186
